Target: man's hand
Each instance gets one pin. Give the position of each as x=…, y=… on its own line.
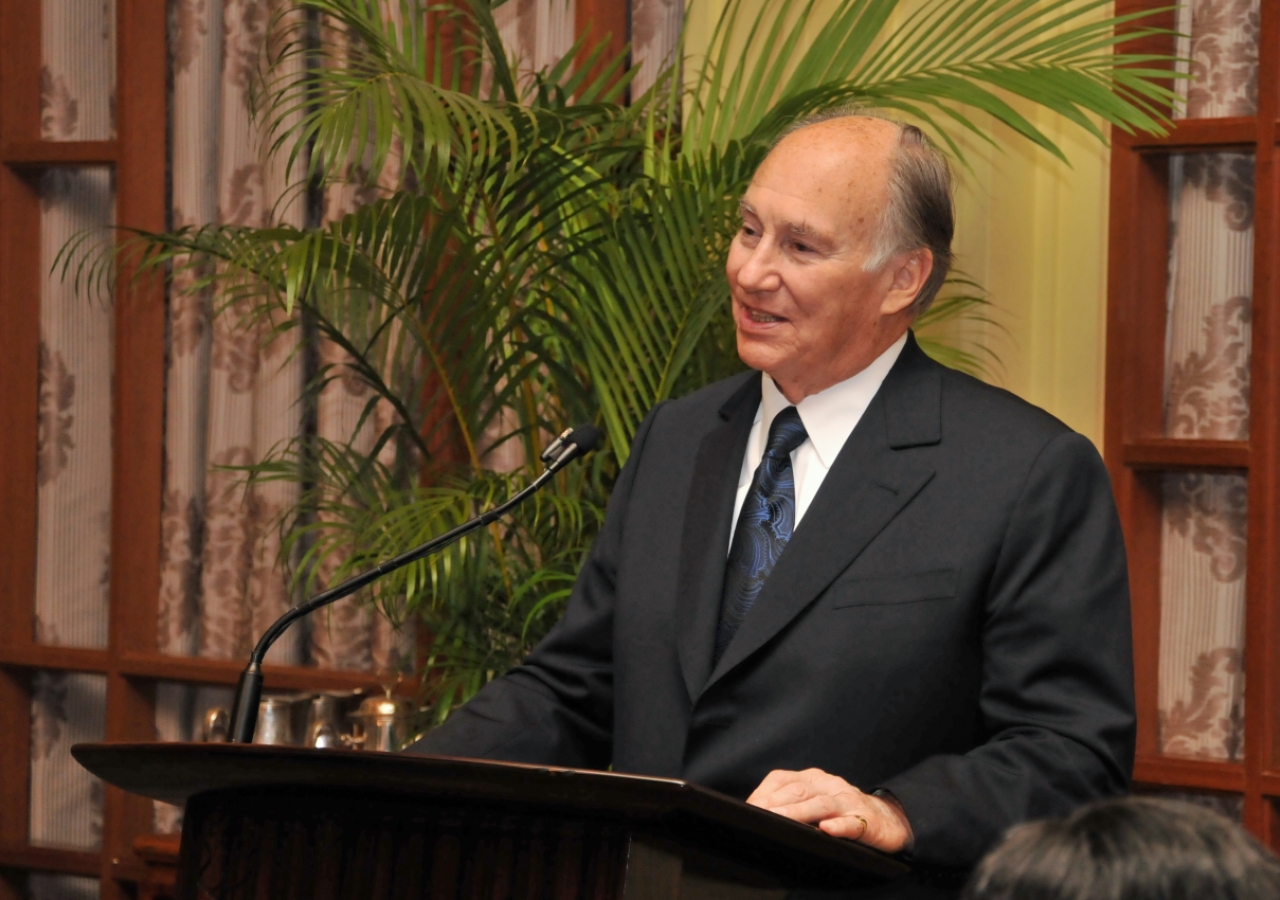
x=835, y=806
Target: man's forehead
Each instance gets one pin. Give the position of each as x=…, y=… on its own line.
x=833, y=180
x=851, y=148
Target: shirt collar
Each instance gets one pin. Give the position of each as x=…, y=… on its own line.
x=831, y=415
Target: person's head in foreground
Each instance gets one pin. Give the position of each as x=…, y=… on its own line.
x=1136, y=848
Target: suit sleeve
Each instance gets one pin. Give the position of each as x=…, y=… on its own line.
x=557, y=707
x=1057, y=691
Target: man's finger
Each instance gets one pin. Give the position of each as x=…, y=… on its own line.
x=823, y=806
x=856, y=827
x=779, y=779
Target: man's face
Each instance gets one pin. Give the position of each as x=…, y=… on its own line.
x=806, y=312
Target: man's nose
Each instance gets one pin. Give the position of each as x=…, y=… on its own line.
x=760, y=270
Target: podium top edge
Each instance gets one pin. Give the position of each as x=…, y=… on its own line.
x=174, y=772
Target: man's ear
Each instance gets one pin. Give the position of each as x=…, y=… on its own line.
x=910, y=272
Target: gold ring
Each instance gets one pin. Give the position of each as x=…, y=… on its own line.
x=865, y=826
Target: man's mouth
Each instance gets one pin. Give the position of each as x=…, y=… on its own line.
x=758, y=316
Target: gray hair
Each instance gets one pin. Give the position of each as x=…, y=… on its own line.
x=920, y=214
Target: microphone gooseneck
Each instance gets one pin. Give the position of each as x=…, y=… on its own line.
x=568, y=446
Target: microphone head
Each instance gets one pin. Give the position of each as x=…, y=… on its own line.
x=585, y=437
x=572, y=443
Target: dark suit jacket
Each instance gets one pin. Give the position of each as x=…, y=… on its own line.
x=949, y=622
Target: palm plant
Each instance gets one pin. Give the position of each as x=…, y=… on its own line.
x=551, y=255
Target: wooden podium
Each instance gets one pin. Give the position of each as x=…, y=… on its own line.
x=284, y=822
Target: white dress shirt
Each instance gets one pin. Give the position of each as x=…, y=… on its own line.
x=829, y=417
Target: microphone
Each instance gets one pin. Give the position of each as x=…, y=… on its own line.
x=568, y=446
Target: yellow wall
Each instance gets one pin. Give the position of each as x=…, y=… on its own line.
x=1033, y=232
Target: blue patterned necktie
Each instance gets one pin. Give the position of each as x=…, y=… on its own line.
x=764, y=526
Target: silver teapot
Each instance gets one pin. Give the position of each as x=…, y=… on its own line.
x=386, y=724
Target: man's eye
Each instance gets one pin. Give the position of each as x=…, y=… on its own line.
x=802, y=248
x=748, y=230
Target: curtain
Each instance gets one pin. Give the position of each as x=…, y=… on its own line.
x=77, y=88
x=233, y=397
x=1202, y=576
x=655, y=37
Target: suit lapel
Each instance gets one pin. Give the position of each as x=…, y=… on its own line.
x=705, y=538
x=868, y=485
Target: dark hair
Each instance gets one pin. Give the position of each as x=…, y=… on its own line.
x=920, y=213
x=1137, y=848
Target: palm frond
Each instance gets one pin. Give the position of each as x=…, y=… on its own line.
x=369, y=83
x=948, y=56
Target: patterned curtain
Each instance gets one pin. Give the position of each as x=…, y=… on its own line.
x=536, y=32
x=233, y=396
x=655, y=36
x=1202, y=642
x=73, y=539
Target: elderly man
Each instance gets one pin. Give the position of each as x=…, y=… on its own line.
x=853, y=586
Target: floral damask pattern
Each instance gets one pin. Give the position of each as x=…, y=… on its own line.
x=1212, y=512
x=236, y=351
x=1221, y=42
x=246, y=199
x=59, y=111
x=188, y=23
x=74, y=421
x=1211, y=716
x=66, y=801
x=189, y=314
x=1225, y=179
x=1201, y=680
x=536, y=33
x=56, y=393
x=1208, y=390
x=78, y=70
x=655, y=38
x=244, y=34
x=181, y=528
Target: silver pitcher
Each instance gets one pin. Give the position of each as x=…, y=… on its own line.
x=275, y=721
x=385, y=723
x=323, y=717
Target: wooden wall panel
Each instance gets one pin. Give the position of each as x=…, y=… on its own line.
x=1262, y=621
x=1136, y=450
x=138, y=432
x=19, y=375
x=600, y=19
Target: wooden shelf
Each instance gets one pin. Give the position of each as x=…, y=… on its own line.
x=42, y=656
x=161, y=667
x=1199, y=134
x=50, y=859
x=1176, y=454
x=1193, y=774
x=227, y=671
x=41, y=154
x=1269, y=784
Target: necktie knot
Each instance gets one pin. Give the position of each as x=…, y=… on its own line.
x=785, y=434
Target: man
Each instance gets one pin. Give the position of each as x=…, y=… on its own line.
x=860, y=590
